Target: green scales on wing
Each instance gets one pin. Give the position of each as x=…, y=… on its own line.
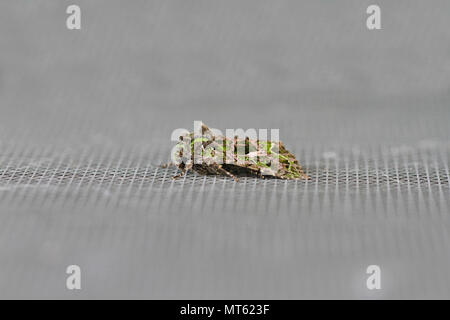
x=212, y=154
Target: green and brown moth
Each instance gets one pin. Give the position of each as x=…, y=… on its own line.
x=210, y=153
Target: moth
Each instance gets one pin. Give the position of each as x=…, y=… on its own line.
x=214, y=154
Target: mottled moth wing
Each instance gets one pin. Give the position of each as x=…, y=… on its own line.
x=213, y=154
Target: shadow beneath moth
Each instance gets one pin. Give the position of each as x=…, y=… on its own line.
x=210, y=153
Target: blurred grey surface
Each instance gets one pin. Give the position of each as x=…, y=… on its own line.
x=86, y=118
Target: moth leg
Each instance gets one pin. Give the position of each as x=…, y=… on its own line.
x=184, y=170
x=221, y=170
x=179, y=175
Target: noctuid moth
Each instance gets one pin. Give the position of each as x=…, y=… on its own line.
x=214, y=154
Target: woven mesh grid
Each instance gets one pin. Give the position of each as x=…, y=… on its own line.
x=120, y=215
x=331, y=174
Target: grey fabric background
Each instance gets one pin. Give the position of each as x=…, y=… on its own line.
x=86, y=118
